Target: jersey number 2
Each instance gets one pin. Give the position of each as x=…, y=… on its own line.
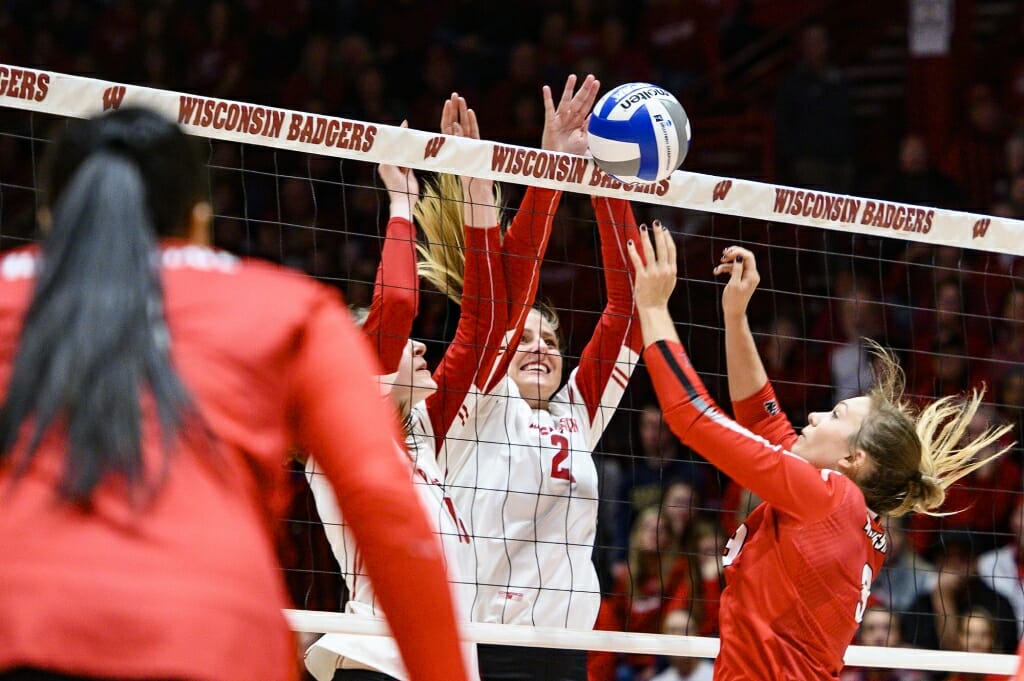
x=556, y=463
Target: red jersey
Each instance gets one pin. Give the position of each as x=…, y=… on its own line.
x=188, y=586
x=799, y=570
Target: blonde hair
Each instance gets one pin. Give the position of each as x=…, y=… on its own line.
x=642, y=561
x=917, y=456
x=440, y=215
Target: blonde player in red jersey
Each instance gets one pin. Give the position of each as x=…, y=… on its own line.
x=799, y=570
x=414, y=392
x=518, y=458
x=152, y=386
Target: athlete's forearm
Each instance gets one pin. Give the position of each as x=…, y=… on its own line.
x=746, y=372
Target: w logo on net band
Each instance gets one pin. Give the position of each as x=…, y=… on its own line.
x=721, y=190
x=113, y=96
x=433, y=146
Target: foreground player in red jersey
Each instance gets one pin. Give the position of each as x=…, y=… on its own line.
x=152, y=388
x=799, y=570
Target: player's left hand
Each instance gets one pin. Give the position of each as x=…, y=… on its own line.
x=656, y=271
x=565, y=127
x=741, y=266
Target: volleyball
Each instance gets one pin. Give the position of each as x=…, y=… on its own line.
x=639, y=132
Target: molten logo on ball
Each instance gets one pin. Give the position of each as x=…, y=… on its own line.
x=639, y=133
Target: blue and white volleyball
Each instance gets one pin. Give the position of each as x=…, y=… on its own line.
x=639, y=133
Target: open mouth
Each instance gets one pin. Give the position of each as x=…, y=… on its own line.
x=536, y=368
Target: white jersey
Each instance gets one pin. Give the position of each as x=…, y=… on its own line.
x=527, y=480
x=380, y=653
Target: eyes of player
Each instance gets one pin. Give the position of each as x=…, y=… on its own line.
x=549, y=339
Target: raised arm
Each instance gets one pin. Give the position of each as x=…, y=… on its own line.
x=396, y=290
x=616, y=342
x=565, y=130
x=340, y=418
x=472, y=353
x=784, y=480
x=754, y=403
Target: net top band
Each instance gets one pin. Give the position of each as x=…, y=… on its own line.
x=78, y=97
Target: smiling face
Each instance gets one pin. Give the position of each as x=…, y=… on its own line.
x=536, y=366
x=825, y=440
x=414, y=383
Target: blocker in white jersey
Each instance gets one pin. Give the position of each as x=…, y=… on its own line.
x=379, y=653
x=422, y=398
x=518, y=458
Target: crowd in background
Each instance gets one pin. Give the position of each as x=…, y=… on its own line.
x=955, y=316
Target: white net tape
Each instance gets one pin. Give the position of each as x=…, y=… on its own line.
x=78, y=97
x=654, y=644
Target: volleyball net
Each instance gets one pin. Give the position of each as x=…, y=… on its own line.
x=938, y=287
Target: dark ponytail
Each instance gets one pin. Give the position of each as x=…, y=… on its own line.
x=95, y=339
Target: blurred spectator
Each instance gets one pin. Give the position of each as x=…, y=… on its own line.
x=684, y=623
x=521, y=80
x=917, y=181
x=315, y=78
x=1002, y=569
x=931, y=621
x=980, y=503
x=880, y=627
x=1014, y=167
x=905, y=575
x=681, y=40
x=976, y=633
x=795, y=375
x=1010, y=401
x=850, y=364
x=679, y=505
x=1009, y=347
x=813, y=121
x=218, y=66
x=703, y=544
x=654, y=579
x=617, y=60
x=944, y=368
x=946, y=320
x=975, y=158
x=660, y=461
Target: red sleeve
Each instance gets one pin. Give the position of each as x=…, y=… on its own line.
x=340, y=418
x=395, y=295
x=784, y=480
x=522, y=251
x=601, y=664
x=618, y=325
x=762, y=414
x=472, y=353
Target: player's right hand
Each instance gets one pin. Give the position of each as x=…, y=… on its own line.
x=401, y=183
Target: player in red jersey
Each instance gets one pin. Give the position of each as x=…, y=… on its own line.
x=152, y=388
x=799, y=570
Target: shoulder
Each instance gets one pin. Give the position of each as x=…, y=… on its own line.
x=258, y=286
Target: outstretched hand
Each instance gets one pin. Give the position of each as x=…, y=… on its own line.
x=741, y=266
x=656, y=271
x=458, y=119
x=565, y=128
x=403, y=188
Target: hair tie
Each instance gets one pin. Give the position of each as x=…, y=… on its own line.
x=916, y=476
